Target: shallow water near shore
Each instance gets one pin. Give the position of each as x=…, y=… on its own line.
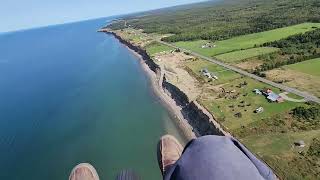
x=70, y=95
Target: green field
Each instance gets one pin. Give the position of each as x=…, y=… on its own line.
x=223, y=74
x=246, y=41
x=274, y=146
x=311, y=67
x=222, y=106
x=155, y=48
x=278, y=144
x=229, y=80
x=278, y=151
x=245, y=54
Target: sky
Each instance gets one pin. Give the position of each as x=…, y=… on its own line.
x=26, y=14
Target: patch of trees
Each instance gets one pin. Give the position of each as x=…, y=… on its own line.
x=311, y=113
x=218, y=20
x=293, y=49
x=268, y=65
x=314, y=149
x=301, y=44
x=259, y=73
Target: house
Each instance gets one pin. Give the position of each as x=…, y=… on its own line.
x=272, y=97
x=300, y=143
x=209, y=75
x=259, y=110
x=214, y=76
x=206, y=73
x=257, y=91
x=204, y=70
x=208, y=45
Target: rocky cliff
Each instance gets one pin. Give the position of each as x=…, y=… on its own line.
x=143, y=53
x=200, y=120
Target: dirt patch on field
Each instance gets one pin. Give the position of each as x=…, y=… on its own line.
x=173, y=65
x=249, y=65
x=298, y=80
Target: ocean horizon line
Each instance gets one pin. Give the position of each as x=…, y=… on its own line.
x=59, y=24
x=97, y=18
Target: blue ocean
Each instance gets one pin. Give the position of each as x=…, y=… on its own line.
x=69, y=95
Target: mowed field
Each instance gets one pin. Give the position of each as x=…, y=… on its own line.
x=241, y=55
x=246, y=41
x=311, y=67
x=155, y=48
x=223, y=74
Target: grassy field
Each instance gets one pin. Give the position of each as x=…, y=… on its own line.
x=246, y=41
x=311, y=67
x=272, y=145
x=226, y=108
x=278, y=144
x=304, y=76
x=245, y=54
x=223, y=74
x=131, y=35
x=278, y=151
x=155, y=48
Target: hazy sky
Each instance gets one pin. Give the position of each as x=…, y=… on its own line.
x=24, y=14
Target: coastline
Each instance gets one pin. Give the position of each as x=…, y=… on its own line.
x=166, y=100
x=190, y=126
x=192, y=119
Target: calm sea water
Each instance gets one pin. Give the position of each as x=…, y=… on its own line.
x=69, y=95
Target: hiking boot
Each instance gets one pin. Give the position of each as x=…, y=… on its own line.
x=169, y=151
x=84, y=171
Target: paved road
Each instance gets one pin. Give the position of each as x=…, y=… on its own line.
x=305, y=95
